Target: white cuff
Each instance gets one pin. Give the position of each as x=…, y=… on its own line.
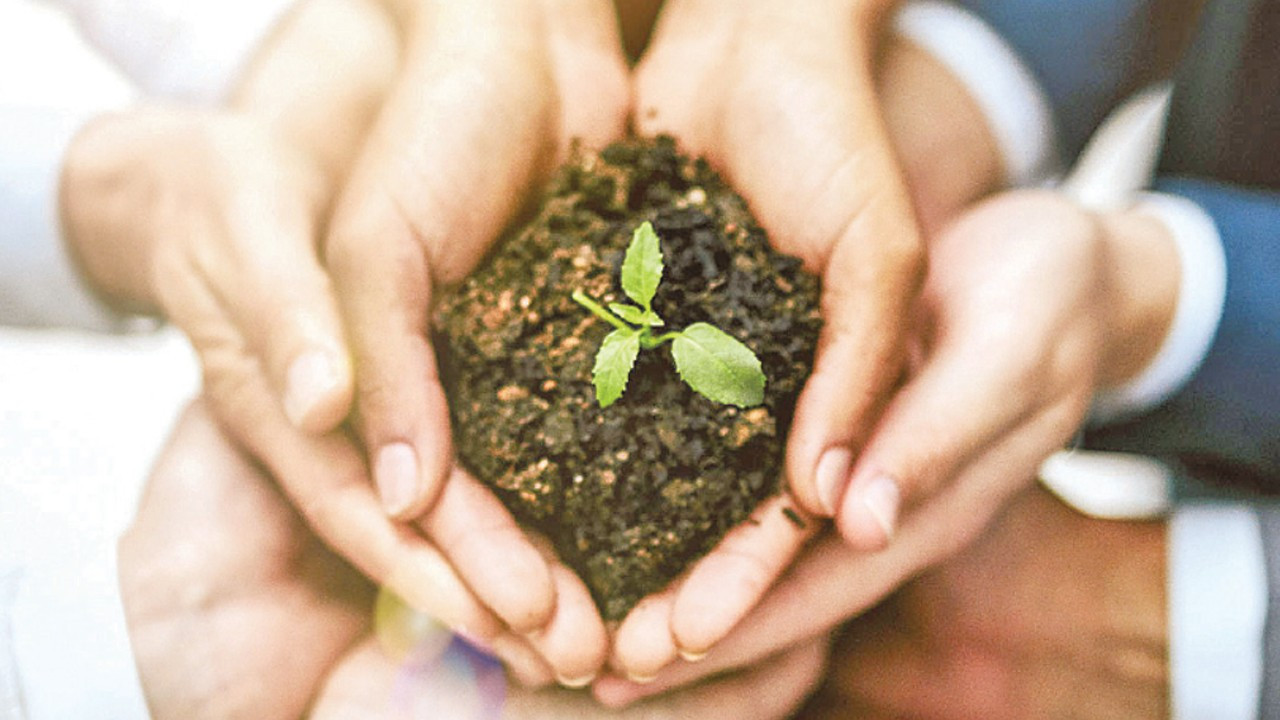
x=1217, y=612
x=1201, y=293
x=193, y=50
x=71, y=641
x=1018, y=112
x=10, y=687
x=40, y=283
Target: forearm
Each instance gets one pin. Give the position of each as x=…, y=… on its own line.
x=943, y=140
x=319, y=80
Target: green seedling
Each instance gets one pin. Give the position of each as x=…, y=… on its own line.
x=709, y=360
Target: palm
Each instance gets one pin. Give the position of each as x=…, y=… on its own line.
x=234, y=608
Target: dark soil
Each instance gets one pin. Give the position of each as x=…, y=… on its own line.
x=632, y=494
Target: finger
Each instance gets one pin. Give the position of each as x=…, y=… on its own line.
x=832, y=581
x=522, y=661
x=491, y=553
x=771, y=690
x=870, y=281
x=382, y=276
x=283, y=303
x=726, y=584
x=324, y=477
x=642, y=644
x=961, y=402
x=574, y=643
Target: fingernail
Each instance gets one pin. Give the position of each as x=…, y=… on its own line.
x=312, y=375
x=831, y=475
x=575, y=683
x=396, y=473
x=881, y=497
x=641, y=679
x=691, y=656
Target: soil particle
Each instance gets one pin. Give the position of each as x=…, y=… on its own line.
x=632, y=494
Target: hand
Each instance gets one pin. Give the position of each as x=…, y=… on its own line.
x=229, y=253
x=1050, y=614
x=1029, y=305
x=948, y=166
x=772, y=690
x=783, y=102
x=234, y=608
x=487, y=100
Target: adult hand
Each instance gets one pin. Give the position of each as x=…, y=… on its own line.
x=488, y=98
x=947, y=165
x=784, y=103
x=1030, y=302
x=1050, y=614
x=772, y=690
x=234, y=608
x=229, y=252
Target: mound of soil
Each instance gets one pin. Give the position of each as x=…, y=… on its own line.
x=632, y=494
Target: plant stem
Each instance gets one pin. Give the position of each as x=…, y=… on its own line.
x=649, y=342
x=595, y=308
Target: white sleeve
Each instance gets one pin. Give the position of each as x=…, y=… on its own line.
x=68, y=648
x=1018, y=112
x=1202, y=292
x=193, y=50
x=40, y=284
x=1217, y=612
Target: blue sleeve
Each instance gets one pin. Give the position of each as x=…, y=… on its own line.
x=1225, y=423
x=1085, y=53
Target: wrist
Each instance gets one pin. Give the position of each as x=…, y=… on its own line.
x=1142, y=279
x=97, y=195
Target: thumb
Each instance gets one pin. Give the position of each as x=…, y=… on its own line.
x=955, y=408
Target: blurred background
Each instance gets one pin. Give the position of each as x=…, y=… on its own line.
x=74, y=404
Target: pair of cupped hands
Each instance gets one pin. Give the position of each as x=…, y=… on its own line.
x=372, y=154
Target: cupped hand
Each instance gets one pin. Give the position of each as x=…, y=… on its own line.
x=1049, y=614
x=489, y=97
x=1026, y=309
x=365, y=678
x=214, y=219
x=784, y=103
x=947, y=165
x=487, y=100
x=234, y=608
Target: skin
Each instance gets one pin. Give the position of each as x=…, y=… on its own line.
x=1028, y=301
x=693, y=615
x=224, y=586
x=784, y=104
x=215, y=218
x=1049, y=615
x=236, y=610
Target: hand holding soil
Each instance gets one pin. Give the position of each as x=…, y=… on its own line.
x=633, y=492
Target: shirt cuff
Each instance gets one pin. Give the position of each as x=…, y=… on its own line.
x=71, y=641
x=1201, y=293
x=1017, y=110
x=40, y=283
x=1217, y=612
x=193, y=51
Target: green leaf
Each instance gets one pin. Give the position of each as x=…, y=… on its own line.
x=642, y=267
x=715, y=364
x=635, y=315
x=616, y=357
